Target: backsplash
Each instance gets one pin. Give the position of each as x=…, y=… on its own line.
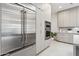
x=69, y=30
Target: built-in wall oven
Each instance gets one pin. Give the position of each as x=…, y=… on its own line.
x=17, y=27
x=47, y=30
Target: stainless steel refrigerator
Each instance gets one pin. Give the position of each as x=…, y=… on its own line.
x=17, y=27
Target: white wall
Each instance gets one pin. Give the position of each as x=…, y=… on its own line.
x=42, y=15
x=54, y=23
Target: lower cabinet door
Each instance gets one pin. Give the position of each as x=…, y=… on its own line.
x=76, y=39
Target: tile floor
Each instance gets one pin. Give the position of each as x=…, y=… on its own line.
x=58, y=49
x=30, y=51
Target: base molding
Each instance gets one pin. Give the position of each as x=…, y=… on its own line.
x=42, y=51
x=63, y=42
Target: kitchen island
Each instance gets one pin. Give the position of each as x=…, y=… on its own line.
x=70, y=38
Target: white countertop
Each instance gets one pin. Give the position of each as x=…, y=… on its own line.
x=68, y=33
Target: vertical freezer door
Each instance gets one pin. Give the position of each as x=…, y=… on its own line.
x=11, y=28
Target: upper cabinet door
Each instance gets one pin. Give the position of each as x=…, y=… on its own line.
x=67, y=18
x=73, y=17
x=61, y=19
x=77, y=16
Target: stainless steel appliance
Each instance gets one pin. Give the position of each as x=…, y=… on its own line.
x=17, y=27
x=47, y=30
x=29, y=27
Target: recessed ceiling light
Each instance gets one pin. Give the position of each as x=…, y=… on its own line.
x=60, y=6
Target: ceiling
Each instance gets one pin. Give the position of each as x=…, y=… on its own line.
x=56, y=7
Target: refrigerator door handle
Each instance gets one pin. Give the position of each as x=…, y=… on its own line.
x=23, y=14
x=22, y=26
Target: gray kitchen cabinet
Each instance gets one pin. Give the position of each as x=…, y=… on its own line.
x=65, y=37
x=61, y=19
x=72, y=17
x=77, y=16
x=67, y=18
